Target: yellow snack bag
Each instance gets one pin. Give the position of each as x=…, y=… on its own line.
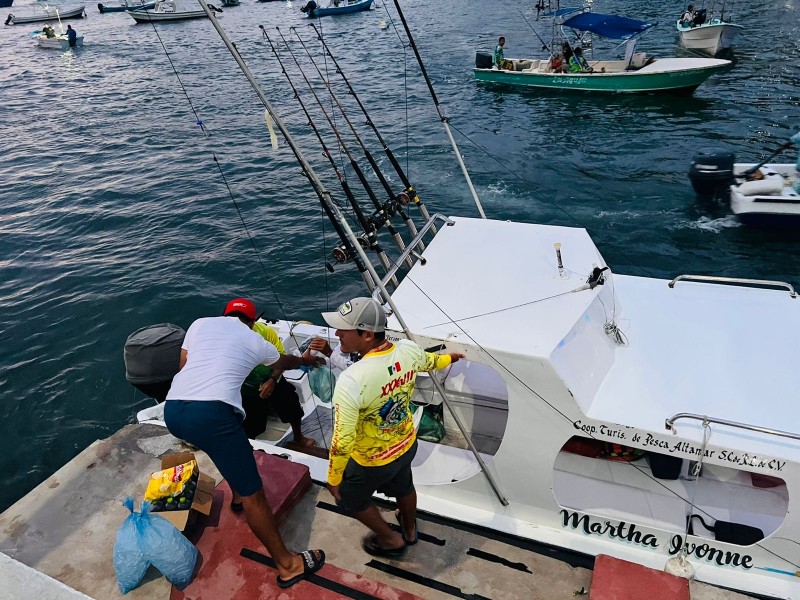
x=170, y=482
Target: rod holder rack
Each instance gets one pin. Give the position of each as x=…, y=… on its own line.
x=735, y=281
x=670, y=425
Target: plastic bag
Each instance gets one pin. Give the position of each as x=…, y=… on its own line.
x=431, y=426
x=167, y=548
x=171, y=482
x=144, y=539
x=130, y=563
x=322, y=381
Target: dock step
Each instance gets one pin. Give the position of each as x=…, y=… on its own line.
x=616, y=579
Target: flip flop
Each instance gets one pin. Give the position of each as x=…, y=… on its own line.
x=312, y=562
x=370, y=546
x=403, y=531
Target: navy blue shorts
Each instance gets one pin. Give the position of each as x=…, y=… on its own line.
x=393, y=480
x=216, y=428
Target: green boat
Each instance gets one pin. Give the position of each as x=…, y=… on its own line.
x=636, y=73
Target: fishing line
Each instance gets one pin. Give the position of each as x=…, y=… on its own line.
x=207, y=135
x=405, y=78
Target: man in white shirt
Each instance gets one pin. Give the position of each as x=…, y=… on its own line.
x=204, y=407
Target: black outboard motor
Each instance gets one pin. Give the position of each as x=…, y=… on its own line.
x=483, y=60
x=310, y=7
x=152, y=358
x=711, y=173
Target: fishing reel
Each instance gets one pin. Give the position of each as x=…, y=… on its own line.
x=343, y=253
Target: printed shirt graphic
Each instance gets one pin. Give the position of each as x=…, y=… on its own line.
x=373, y=423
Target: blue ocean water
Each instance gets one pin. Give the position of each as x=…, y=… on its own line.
x=117, y=211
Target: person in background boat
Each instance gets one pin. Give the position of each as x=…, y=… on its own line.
x=557, y=63
x=374, y=440
x=498, y=60
x=309, y=8
x=566, y=51
x=72, y=36
x=578, y=64
x=688, y=16
x=48, y=31
x=266, y=386
x=204, y=407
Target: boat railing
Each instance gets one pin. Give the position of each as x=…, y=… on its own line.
x=670, y=425
x=409, y=250
x=736, y=281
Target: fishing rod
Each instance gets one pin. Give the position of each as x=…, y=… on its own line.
x=399, y=199
x=350, y=247
x=388, y=151
x=444, y=119
x=544, y=44
x=382, y=212
x=369, y=230
x=752, y=170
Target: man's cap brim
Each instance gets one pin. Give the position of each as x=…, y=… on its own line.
x=336, y=321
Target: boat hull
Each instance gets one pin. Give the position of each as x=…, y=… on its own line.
x=49, y=14
x=677, y=78
x=711, y=38
x=769, y=202
x=59, y=43
x=147, y=16
x=341, y=10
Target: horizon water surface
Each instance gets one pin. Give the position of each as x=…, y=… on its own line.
x=114, y=214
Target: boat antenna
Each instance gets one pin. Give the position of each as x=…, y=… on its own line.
x=370, y=231
x=383, y=212
x=443, y=118
x=350, y=246
x=409, y=189
x=400, y=199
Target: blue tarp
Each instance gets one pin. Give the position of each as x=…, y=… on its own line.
x=608, y=26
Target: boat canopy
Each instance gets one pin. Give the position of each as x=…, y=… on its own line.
x=608, y=26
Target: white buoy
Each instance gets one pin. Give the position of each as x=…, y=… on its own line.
x=383, y=24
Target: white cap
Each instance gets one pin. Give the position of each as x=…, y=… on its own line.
x=358, y=313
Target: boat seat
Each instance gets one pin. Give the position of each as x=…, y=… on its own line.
x=769, y=186
x=525, y=65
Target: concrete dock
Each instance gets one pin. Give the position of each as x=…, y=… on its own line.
x=57, y=542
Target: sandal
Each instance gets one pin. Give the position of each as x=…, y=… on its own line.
x=371, y=546
x=403, y=531
x=312, y=562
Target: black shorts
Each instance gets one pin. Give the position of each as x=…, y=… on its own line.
x=284, y=401
x=393, y=480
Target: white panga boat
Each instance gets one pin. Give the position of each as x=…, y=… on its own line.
x=565, y=357
x=635, y=73
x=167, y=10
x=59, y=42
x=47, y=13
x=762, y=194
x=710, y=36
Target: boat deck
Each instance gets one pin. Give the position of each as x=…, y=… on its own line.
x=57, y=543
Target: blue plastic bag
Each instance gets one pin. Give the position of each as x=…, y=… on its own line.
x=130, y=563
x=144, y=539
x=322, y=381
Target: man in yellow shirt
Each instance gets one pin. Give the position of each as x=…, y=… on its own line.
x=374, y=440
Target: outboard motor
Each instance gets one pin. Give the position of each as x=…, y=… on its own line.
x=152, y=358
x=699, y=17
x=711, y=173
x=483, y=60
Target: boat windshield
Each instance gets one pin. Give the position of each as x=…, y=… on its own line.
x=608, y=26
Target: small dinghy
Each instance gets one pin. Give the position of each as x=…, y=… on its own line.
x=48, y=13
x=168, y=11
x=336, y=7
x=710, y=36
x=127, y=5
x=48, y=39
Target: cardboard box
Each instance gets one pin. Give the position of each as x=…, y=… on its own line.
x=203, y=494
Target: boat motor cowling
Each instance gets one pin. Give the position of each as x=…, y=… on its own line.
x=711, y=173
x=483, y=60
x=152, y=358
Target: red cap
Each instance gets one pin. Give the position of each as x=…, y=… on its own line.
x=242, y=305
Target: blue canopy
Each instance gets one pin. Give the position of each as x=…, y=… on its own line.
x=608, y=26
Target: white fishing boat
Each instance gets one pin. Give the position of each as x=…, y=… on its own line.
x=59, y=42
x=569, y=364
x=771, y=199
x=710, y=36
x=167, y=10
x=47, y=13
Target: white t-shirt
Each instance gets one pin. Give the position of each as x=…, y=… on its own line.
x=220, y=353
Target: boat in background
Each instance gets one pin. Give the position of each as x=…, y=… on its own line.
x=59, y=42
x=230, y=3
x=166, y=10
x=635, y=73
x=48, y=13
x=336, y=7
x=710, y=36
x=127, y=5
x=6, y=3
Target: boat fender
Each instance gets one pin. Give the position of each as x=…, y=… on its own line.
x=769, y=186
